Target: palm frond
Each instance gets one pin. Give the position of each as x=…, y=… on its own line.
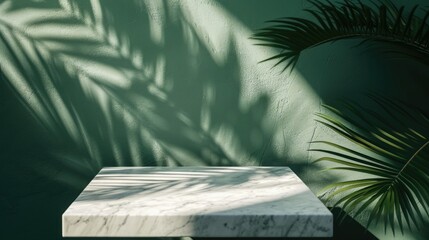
x=381, y=21
x=393, y=155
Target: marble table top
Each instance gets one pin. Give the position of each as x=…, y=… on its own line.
x=197, y=202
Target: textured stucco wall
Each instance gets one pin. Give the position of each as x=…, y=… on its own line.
x=166, y=83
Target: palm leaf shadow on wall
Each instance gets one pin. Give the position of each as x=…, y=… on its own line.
x=396, y=192
x=132, y=112
x=111, y=94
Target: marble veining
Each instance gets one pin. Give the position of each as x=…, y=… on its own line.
x=197, y=202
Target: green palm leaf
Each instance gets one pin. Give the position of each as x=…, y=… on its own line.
x=392, y=159
x=381, y=21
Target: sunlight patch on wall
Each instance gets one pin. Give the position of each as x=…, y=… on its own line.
x=208, y=19
x=24, y=16
x=46, y=31
x=160, y=72
x=209, y=96
x=156, y=20
x=102, y=72
x=98, y=15
x=292, y=100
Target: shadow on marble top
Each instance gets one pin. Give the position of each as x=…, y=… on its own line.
x=197, y=201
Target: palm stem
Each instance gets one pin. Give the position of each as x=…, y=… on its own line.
x=417, y=46
x=412, y=157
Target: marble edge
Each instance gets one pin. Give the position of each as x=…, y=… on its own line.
x=326, y=222
x=190, y=167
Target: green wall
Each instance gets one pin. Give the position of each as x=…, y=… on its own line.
x=128, y=83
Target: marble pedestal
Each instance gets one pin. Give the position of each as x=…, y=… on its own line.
x=197, y=202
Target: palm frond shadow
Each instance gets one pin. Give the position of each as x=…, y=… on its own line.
x=389, y=147
x=105, y=93
x=149, y=181
x=124, y=117
x=90, y=119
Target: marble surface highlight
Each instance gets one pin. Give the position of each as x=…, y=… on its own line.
x=197, y=202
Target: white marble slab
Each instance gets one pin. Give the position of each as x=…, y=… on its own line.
x=197, y=202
